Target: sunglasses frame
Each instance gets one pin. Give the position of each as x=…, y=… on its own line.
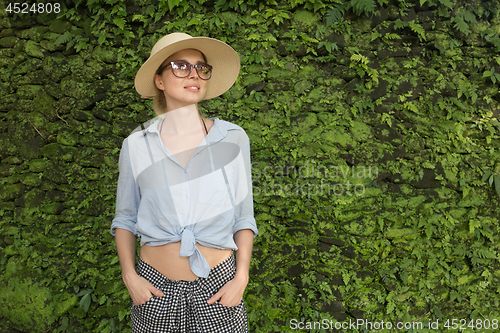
x=171, y=63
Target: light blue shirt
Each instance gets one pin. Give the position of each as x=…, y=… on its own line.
x=207, y=202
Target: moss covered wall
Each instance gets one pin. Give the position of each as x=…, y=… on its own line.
x=375, y=147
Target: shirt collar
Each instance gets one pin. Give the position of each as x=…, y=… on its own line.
x=216, y=133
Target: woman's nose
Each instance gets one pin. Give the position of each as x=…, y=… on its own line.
x=193, y=73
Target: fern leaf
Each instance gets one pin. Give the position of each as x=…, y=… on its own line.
x=64, y=38
x=334, y=16
x=137, y=18
x=390, y=307
x=150, y=10
x=469, y=17
x=418, y=29
x=393, y=36
x=360, y=6
x=461, y=25
x=120, y=22
x=447, y=3
x=398, y=24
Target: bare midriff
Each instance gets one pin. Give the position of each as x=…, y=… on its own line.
x=166, y=259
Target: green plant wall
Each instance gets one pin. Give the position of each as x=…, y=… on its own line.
x=375, y=146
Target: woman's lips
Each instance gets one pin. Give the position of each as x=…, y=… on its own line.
x=192, y=88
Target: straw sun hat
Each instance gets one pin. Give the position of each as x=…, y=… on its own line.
x=222, y=57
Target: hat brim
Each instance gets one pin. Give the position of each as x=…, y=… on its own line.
x=223, y=58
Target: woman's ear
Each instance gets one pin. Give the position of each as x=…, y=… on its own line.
x=159, y=82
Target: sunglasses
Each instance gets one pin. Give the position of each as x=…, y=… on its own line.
x=181, y=68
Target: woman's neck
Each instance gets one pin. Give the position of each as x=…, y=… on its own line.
x=182, y=121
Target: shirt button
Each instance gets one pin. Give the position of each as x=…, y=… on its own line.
x=185, y=197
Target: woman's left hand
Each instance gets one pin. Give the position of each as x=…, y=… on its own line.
x=231, y=293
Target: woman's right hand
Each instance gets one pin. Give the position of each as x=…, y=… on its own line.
x=140, y=289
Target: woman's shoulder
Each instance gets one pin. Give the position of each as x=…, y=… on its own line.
x=141, y=129
x=229, y=125
x=233, y=129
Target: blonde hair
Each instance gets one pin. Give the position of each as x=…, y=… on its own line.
x=159, y=102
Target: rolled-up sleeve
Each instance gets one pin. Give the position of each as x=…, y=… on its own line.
x=128, y=194
x=244, y=214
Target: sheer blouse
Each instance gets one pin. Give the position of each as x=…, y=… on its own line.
x=162, y=202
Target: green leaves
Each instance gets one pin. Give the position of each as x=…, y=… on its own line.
x=359, y=7
x=473, y=225
x=461, y=25
x=415, y=27
x=427, y=113
x=492, y=75
x=86, y=299
x=334, y=15
x=120, y=22
x=329, y=46
x=363, y=6
x=447, y=3
x=360, y=63
x=461, y=19
x=467, y=89
x=492, y=178
x=276, y=16
x=255, y=58
x=173, y=3
x=497, y=183
x=64, y=38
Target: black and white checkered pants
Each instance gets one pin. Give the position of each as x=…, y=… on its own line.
x=184, y=307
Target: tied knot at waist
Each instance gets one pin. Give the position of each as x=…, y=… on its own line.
x=188, y=243
x=199, y=265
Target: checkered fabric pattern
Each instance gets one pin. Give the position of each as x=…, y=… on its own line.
x=184, y=307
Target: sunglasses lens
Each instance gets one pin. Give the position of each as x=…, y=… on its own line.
x=204, y=71
x=181, y=68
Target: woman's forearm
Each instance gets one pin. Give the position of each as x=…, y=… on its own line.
x=126, y=247
x=244, y=241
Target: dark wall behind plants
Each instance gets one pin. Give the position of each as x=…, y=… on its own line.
x=390, y=105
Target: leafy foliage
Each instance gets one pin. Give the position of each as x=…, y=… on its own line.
x=363, y=6
x=335, y=15
x=398, y=120
x=492, y=178
x=492, y=75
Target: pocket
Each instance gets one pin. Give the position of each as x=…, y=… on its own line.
x=149, y=301
x=213, y=188
x=155, y=311
x=229, y=310
x=221, y=312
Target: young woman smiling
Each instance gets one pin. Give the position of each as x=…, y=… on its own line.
x=185, y=188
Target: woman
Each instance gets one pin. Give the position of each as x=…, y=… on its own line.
x=185, y=188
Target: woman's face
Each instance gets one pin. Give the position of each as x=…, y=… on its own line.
x=180, y=92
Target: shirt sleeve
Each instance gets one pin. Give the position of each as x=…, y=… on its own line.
x=128, y=194
x=244, y=215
